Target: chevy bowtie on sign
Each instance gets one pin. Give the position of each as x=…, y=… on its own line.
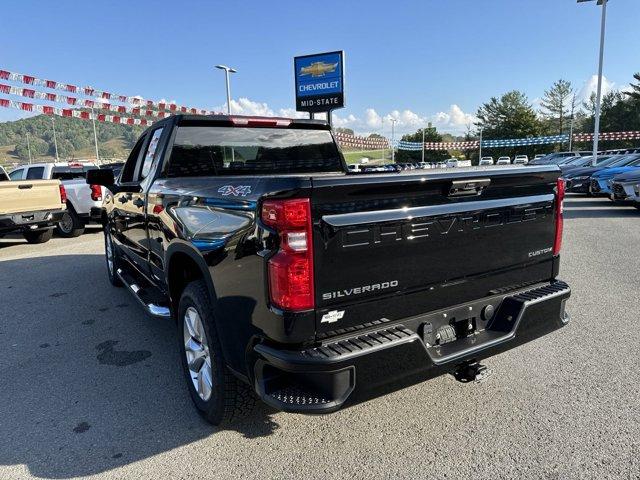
x=319, y=82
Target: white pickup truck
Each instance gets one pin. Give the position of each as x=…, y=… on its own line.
x=84, y=202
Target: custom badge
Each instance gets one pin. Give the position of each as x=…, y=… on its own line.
x=235, y=190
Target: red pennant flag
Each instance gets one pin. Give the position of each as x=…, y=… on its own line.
x=71, y=100
x=28, y=79
x=89, y=103
x=26, y=92
x=71, y=88
x=47, y=110
x=52, y=97
x=101, y=117
x=26, y=106
x=50, y=84
x=4, y=74
x=130, y=121
x=122, y=109
x=5, y=88
x=4, y=102
x=116, y=119
x=172, y=107
x=84, y=115
x=161, y=106
x=136, y=111
x=106, y=95
x=67, y=112
x=122, y=98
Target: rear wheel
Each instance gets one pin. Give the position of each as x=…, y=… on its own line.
x=40, y=236
x=217, y=394
x=113, y=259
x=70, y=225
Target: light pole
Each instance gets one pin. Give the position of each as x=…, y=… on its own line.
x=227, y=71
x=596, y=130
x=480, y=145
x=95, y=136
x=573, y=105
x=29, y=148
x=393, y=137
x=423, y=130
x=55, y=141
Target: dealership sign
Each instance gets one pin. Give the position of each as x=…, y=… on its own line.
x=319, y=82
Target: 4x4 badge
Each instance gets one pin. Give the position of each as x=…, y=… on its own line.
x=236, y=191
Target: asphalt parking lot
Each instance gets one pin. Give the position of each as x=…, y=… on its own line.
x=91, y=386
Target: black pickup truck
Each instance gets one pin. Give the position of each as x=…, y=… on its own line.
x=313, y=288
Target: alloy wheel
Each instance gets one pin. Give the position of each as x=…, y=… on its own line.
x=196, y=350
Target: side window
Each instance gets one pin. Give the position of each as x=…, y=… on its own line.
x=150, y=154
x=129, y=168
x=35, y=173
x=16, y=174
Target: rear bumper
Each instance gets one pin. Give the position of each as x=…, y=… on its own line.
x=25, y=221
x=351, y=369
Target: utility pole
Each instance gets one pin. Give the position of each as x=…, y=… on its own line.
x=423, y=130
x=95, y=136
x=480, y=144
x=29, y=148
x=393, y=138
x=55, y=141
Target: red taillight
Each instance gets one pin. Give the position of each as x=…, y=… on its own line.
x=559, y=216
x=290, y=270
x=96, y=193
x=63, y=194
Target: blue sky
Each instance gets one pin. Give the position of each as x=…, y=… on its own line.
x=419, y=61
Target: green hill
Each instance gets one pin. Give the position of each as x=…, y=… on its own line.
x=74, y=137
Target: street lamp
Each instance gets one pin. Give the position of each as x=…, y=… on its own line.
x=596, y=130
x=227, y=71
x=393, y=136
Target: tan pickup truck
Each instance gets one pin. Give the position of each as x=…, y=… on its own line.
x=32, y=207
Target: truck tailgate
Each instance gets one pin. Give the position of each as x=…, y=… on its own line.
x=29, y=196
x=389, y=246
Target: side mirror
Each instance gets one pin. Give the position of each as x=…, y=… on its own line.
x=101, y=176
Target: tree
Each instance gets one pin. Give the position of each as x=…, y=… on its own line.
x=430, y=135
x=375, y=135
x=557, y=102
x=348, y=131
x=634, y=94
x=510, y=116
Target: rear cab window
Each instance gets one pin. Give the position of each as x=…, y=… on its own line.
x=210, y=150
x=35, y=173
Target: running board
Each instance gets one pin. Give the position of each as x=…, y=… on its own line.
x=141, y=294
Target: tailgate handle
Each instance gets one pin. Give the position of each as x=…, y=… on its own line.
x=25, y=186
x=461, y=188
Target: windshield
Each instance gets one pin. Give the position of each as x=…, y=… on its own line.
x=209, y=150
x=624, y=160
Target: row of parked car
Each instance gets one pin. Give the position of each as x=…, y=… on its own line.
x=615, y=174
x=39, y=198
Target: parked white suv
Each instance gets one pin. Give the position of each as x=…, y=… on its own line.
x=81, y=198
x=486, y=161
x=504, y=161
x=521, y=160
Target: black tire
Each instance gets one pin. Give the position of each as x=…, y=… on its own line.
x=637, y=205
x=71, y=225
x=39, y=236
x=230, y=399
x=115, y=256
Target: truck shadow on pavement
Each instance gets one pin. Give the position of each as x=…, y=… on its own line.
x=89, y=381
x=598, y=208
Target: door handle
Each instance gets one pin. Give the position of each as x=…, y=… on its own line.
x=138, y=202
x=122, y=199
x=25, y=186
